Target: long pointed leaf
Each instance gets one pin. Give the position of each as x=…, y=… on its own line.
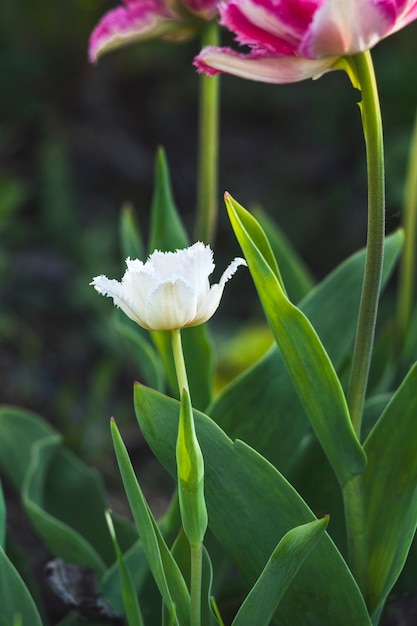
x=310, y=368
x=166, y=573
x=266, y=388
x=277, y=575
x=390, y=481
x=16, y=603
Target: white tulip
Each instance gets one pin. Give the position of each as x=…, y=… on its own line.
x=171, y=290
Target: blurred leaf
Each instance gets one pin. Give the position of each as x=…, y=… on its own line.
x=198, y=355
x=16, y=603
x=166, y=573
x=147, y=358
x=297, y=278
x=58, y=197
x=250, y=507
x=130, y=238
x=13, y=193
x=62, y=538
x=2, y=519
x=390, y=482
x=285, y=561
x=278, y=424
x=167, y=232
x=308, y=363
x=64, y=498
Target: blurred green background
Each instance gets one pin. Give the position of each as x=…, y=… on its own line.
x=77, y=141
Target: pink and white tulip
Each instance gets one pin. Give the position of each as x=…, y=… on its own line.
x=138, y=20
x=291, y=40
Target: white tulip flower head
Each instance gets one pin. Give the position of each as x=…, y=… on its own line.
x=171, y=290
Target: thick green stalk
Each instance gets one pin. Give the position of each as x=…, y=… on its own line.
x=362, y=68
x=195, y=591
x=179, y=361
x=407, y=280
x=357, y=540
x=361, y=72
x=207, y=190
x=193, y=511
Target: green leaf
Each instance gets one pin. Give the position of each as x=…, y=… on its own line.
x=285, y=561
x=297, y=278
x=390, y=488
x=2, y=518
x=167, y=232
x=16, y=603
x=64, y=498
x=148, y=360
x=130, y=237
x=130, y=599
x=165, y=571
x=265, y=390
x=308, y=363
x=62, y=538
x=250, y=507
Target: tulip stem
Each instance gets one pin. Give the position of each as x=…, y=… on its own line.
x=179, y=361
x=207, y=190
x=407, y=278
x=361, y=72
x=362, y=67
x=189, y=450
x=196, y=577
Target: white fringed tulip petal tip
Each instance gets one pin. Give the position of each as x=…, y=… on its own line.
x=170, y=290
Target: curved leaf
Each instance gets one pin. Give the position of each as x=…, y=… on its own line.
x=64, y=498
x=390, y=481
x=16, y=603
x=308, y=363
x=265, y=390
x=165, y=571
x=285, y=561
x=297, y=278
x=250, y=507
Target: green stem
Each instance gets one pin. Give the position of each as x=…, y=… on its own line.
x=361, y=72
x=356, y=531
x=362, y=67
x=207, y=190
x=195, y=507
x=195, y=591
x=179, y=360
x=407, y=279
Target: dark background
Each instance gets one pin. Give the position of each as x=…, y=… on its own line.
x=77, y=141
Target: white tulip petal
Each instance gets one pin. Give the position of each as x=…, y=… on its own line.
x=113, y=289
x=211, y=302
x=171, y=290
x=171, y=305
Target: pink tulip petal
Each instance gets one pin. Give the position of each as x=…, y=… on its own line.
x=141, y=19
x=279, y=26
x=408, y=14
x=344, y=28
x=261, y=66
